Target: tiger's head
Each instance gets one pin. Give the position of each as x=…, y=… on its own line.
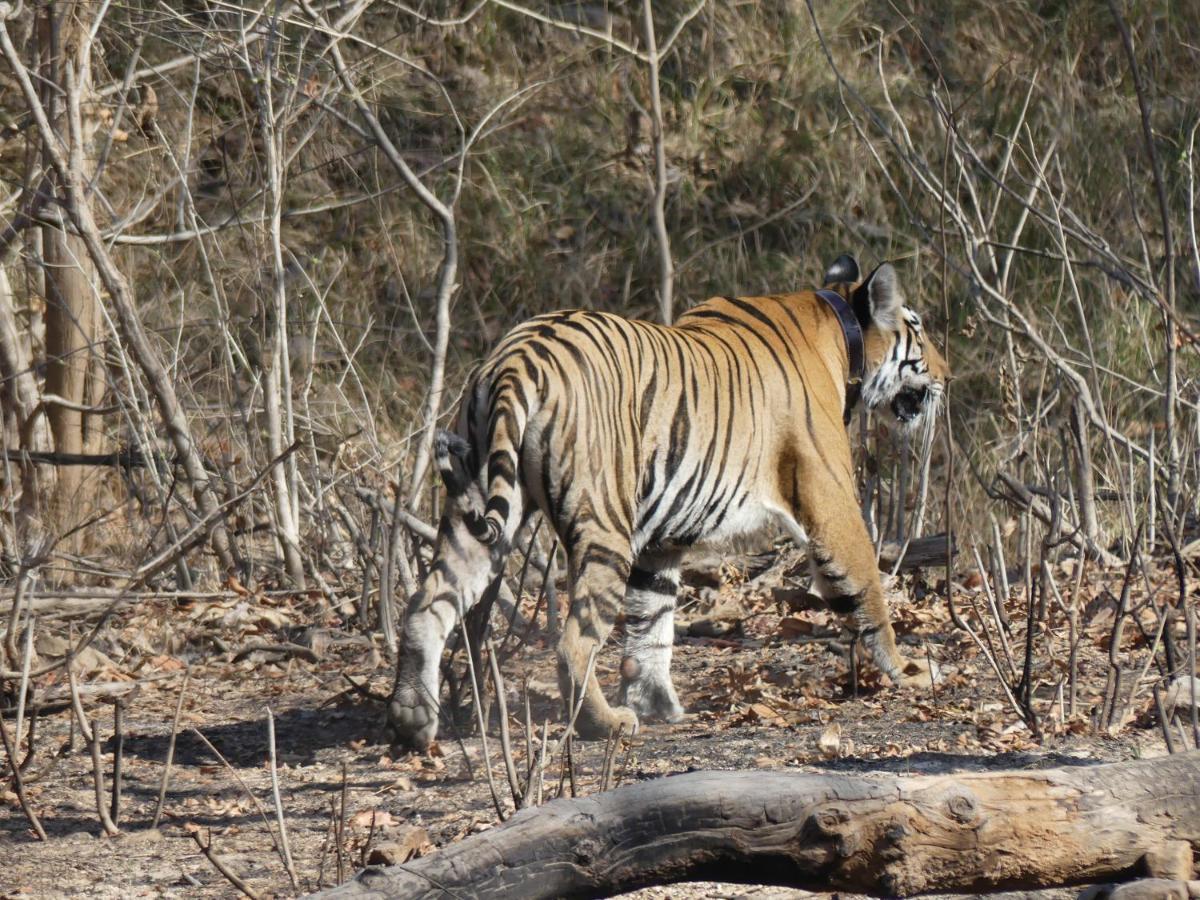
x=905, y=373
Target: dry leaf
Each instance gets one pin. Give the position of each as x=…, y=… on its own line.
x=793, y=626
x=830, y=741
x=411, y=842
x=373, y=818
x=399, y=786
x=765, y=714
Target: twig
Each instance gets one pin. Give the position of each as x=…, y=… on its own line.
x=624, y=763
x=206, y=849
x=31, y=738
x=994, y=605
x=283, y=835
x=341, y=829
x=19, y=784
x=961, y=623
x=1191, y=613
x=286, y=648
x=570, y=761
x=510, y=767
x=1113, y=683
x=577, y=705
x=330, y=831
x=118, y=758
x=528, y=749
x=26, y=664
x=91, y=736
x=106, y=821
x=166, y=776
x=1119, y=716
x=610, y=757
x=132, y=458
x=1168, y=264
x=541, y=766
x=1112, y=686
x=1163, y=720
x=477, y=703
x=24, y=582
x=666, y=265
x=364, y=691
x=262, y=813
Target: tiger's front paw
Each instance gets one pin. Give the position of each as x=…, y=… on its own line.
x=599, y=727
x=413, y=718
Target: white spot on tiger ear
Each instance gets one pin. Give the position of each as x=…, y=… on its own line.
x=883, y=290
x=843, y=269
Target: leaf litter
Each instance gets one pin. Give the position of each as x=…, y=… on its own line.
x=763, y=671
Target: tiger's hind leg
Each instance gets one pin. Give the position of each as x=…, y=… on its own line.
x=599, y=577
x=646, y=686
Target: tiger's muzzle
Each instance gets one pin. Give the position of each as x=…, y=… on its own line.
x=911, y=403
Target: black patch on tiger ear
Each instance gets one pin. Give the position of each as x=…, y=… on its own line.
x=843, y=270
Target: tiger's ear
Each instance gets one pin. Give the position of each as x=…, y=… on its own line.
x=880, y=297
x=844, y=269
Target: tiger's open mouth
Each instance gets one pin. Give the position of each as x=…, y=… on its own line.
x=909, y=404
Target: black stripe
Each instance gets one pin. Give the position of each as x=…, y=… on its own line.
x=758, y=314
x=656, y=582
x=844, y=604
x=500, y=464
x=645, y=623
x=611, y=559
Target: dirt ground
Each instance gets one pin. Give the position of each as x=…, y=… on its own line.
x=763, y=680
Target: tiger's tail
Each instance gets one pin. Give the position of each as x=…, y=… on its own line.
x=450, y=454
x=505, y=429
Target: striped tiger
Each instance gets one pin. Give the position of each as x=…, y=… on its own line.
x=636, y=441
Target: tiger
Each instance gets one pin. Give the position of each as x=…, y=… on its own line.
x=637, y=441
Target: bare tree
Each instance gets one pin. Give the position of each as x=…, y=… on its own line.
x=69, y=170
x=75, y=375
x=277, y=391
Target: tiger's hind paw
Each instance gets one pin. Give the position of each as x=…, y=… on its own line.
x=652, y=701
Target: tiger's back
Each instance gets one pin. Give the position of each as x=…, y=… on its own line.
x=668, y=435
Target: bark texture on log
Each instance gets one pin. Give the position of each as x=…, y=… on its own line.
x=881, y=834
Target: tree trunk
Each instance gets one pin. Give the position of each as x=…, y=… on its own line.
x=877, y=834
x=74, y=368
x=68, y=168
x=24, y=427
x=277, y=387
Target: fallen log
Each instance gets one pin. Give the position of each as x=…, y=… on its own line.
x=884, y=835
x=918, y=553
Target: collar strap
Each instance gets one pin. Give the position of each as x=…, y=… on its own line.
x=852, y=331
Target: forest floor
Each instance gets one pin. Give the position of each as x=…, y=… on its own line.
x=758, y=668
